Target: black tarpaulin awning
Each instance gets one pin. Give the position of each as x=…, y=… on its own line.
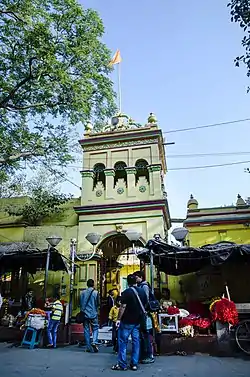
x=15, y=255
x=174, y=260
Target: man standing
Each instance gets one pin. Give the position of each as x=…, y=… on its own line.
x=54, y=322
x=130, y=317
x=90, y=303
x=28, y=301
x=147, y=356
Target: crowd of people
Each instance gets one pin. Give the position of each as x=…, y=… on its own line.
x=129, y=316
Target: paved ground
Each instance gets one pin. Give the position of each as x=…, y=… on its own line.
x=72, y=361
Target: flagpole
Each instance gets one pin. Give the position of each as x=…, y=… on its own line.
x=119, y=87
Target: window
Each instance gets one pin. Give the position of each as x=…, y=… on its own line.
x=120, y=172
x=92, y=272
x=141, y=169
x=99, y=175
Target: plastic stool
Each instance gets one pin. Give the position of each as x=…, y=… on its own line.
x=31, y=338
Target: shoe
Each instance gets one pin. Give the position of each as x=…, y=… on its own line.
x=118, y=367
x=95, y=347
x=133, y=367
x=148, y=360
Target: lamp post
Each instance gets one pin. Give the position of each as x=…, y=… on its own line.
x=72, y=273
x=133, y=236
x=180, y=234
x=53, y=241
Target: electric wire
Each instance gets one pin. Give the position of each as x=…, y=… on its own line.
x=207, y=126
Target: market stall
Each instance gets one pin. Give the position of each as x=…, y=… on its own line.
x=17, y=260
x=206, y=316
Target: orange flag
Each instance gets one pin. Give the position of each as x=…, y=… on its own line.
x=116, y=58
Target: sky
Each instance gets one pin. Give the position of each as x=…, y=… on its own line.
x=178, y=63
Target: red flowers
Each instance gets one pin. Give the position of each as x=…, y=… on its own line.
x=202, y=323
x=172, y=310
x=224, y=311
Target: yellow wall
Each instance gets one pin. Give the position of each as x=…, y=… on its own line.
x=237, y=233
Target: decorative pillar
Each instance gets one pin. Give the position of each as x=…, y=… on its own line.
x=131, y=172
x=155, y=180
x=109, y=174
x=87, y=185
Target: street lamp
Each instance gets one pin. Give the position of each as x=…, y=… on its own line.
x=180, y=234
x=94, y=239
x=133, y=236
x=53, y=241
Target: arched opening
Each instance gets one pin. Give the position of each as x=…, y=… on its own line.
x=99, y=175
x=142, y=169
x=120, y=172
x=118, y=261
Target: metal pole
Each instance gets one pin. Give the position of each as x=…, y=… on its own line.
x=119, y=86
x=152, y=271
x=46, y=274
x=72, y=273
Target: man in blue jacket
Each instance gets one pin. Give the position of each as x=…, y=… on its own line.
x=90, y=303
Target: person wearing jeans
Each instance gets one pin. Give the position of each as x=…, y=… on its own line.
x=128, y=323
x=54, y=322
x=94, y=325
x=89, y=306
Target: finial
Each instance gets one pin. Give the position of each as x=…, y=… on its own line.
x=192, y=203
x=88, y=126
x=152, y=118
x=240, y=202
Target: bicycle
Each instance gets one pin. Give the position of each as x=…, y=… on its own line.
x=242, y=336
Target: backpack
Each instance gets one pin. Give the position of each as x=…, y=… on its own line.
x=153, y=303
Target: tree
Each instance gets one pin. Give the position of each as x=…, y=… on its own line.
x=43, y=199
x=12, y=186
x=240, y=12
x=53, y=75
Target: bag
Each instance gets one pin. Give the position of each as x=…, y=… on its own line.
x=35, y=321
x=81, y=316
x=145, y=318
x=153, y=304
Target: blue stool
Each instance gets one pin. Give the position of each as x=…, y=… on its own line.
x=31, y=338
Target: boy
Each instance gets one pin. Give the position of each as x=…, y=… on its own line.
x=54, y=322
x=113, y=316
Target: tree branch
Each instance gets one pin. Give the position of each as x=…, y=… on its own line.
x=34, y=105
x=17, y=157
x=10, y=96
x=12, y=14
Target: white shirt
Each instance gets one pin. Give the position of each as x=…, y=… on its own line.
x=1, y=301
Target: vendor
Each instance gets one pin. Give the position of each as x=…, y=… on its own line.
x=166, y=301
x=28, y=301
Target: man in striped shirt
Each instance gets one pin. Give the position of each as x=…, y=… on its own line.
x=54, y=322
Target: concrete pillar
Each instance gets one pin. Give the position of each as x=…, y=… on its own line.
x=155, y=180
x=87, y=185
x=109, y=175
x=131, y=172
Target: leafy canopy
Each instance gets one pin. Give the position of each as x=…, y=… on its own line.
x=52, y=65
x=44, y=199
x=240, y=12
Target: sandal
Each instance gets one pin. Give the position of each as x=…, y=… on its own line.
x=118, y=367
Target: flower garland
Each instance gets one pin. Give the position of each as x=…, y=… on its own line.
x=172, y=310
x=225, y=311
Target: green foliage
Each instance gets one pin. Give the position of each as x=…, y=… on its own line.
x=240, y=12
x=44, y=199
x=12, y=186
x=53, y=75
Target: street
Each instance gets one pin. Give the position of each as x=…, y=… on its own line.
x=72, y=361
